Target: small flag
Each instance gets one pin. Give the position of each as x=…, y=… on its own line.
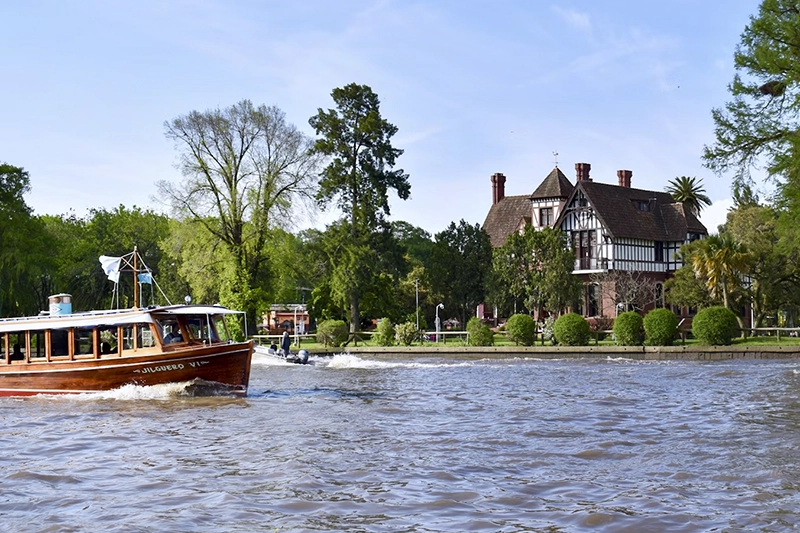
x=111, y=267
x=146, y=277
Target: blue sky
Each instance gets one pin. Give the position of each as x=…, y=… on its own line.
x=475, y=87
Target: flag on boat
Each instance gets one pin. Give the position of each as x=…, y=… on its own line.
x=111, y=267
x=146, y=277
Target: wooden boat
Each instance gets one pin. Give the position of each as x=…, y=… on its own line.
x=65, y=352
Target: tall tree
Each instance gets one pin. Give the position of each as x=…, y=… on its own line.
x=358, y=179
x=245, y=169
x=759, y=126
x=460, y=263
x=690, y=192
x=723, y=263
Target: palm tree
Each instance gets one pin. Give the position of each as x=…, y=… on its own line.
x=690, y=192
x=722, y=262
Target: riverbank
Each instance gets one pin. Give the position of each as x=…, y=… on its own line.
x=643, y=353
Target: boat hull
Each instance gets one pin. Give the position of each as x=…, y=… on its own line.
x=225, y=364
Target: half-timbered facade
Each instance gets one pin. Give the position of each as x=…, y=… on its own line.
x=610, y=228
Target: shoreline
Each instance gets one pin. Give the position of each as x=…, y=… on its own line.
x=641, y=353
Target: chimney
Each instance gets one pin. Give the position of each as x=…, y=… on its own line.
x=498, y=187
x=582, y=171
x=624, y=177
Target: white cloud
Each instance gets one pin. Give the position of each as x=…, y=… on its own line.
x=576, y=19
x=716, y=214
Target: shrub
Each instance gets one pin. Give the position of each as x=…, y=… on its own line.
x=571, y=330
x=521, y=329
x=660, y=327
x=715, y=325
x=479, y=333
x=384, y=333
x=332, y=332
x=599, y=326
x=405, y=333
x=547, y=330
x=628, y=329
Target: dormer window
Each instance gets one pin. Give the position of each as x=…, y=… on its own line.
x=545, y=217
x=642, y=205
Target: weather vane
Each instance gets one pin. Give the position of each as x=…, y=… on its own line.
x=555, y=154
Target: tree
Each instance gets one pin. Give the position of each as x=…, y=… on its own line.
x=536, y=266
x=245, y=168
x=628, y=289
x=759, y=124
x=357, y=179
x=723, y=263
x=690, y=192
x=460, y=263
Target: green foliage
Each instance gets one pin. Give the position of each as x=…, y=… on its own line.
x=521, y=329
x=479, y=333
x=685, y=289
x=715, y=325
x=384, y=334
x=628, y=329
x=460, y=263
x=332, y=332
x=406, y=333
x=660, y=327
x=571, y=330
x=536, y=266
x=690, y=192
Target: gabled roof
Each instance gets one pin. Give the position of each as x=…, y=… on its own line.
x=504, y=218
x=555, y=185
x=616, y=208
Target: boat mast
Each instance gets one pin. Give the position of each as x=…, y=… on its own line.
x=135, y=278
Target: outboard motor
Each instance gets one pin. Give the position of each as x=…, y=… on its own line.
x=302, y=357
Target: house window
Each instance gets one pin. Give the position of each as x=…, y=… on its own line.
x=591, y=300
x=584, y=244
x=545, y=217
x=659, y=249
x=642, y=205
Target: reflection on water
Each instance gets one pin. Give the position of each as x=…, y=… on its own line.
x=349, y=444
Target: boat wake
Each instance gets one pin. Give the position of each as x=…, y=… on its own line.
x=347, y=360
x=196, y=388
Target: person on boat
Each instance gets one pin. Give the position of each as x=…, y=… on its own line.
x=174, y=335
x=273, y=348
x=17, y=354
x=286, y=342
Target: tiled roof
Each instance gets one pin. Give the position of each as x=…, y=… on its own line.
x=617, y=208
x=504, y=218
x=555, y=185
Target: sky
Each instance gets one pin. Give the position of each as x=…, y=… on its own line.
x=474, y=88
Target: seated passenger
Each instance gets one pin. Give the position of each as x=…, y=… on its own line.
x=174, y=335
x=17, y=354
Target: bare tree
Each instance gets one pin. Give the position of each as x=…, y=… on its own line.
x=629, y=290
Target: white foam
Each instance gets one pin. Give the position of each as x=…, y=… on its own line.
x=348, y=360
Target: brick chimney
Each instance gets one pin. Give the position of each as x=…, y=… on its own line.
x=498, y=187
x=624, y=177
x=582, y=171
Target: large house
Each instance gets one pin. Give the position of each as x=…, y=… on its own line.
x=611, y=228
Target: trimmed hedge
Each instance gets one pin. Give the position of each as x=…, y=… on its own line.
x=332, y=333
x=521, y=329
x=479, y=333
x=384, y=333
x=660, y=327
x=571, y=330
x=405, y=333
x=628, y=329
x=715, y=325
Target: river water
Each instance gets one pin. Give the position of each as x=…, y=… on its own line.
x=423, y=445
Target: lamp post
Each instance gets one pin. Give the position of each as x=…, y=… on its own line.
x=416, y=287
x=440, y=306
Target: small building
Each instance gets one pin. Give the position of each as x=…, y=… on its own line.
x=286, y=317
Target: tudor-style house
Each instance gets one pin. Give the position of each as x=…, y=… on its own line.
x=610, y=228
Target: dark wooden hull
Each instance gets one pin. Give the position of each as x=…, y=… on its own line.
x=225, y=364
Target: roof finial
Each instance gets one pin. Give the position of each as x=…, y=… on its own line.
x=555, y=154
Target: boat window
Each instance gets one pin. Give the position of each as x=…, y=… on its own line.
x=3, y=352
x=170, y=330
x=37, y=345
x=108, y=340
x=127, y=337
x=221, y=329
x=16, y=346
x=145, y=339
x=199, y=328
x=84, y=341
x=59, y=342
